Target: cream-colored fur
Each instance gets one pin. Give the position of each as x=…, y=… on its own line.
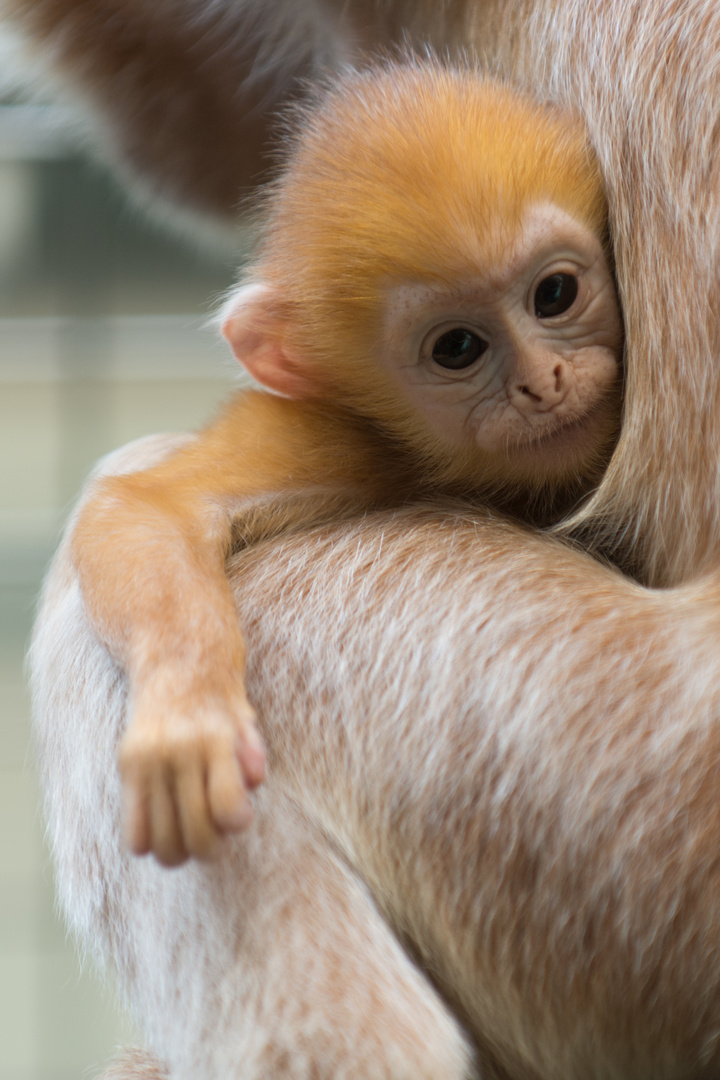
x=136, y=1065
x=274, y=960
x=510, y=748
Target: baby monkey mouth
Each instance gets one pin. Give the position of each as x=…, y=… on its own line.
x=555, y=430
x=564, y=442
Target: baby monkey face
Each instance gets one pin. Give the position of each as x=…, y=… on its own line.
x=521, y=358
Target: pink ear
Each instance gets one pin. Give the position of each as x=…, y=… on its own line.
x=256, y=332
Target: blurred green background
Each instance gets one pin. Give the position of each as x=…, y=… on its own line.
x=101, y=340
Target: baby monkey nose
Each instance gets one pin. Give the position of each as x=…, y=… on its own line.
x=545, y=389
x=528, y=392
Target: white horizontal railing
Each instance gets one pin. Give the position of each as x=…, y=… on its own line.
x=71, y=389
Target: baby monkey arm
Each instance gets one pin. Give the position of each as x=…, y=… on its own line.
x=150, y=550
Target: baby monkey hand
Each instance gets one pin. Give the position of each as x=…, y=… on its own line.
x=187, y=764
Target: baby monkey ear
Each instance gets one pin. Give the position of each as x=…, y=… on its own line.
x=257, y=329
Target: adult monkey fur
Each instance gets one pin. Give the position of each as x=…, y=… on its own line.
x=451, y=329
x=580, y=938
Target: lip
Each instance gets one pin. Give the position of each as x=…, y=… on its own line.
x=557, y=433
x=567, y=445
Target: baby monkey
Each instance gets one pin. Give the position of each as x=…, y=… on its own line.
x=433, y=312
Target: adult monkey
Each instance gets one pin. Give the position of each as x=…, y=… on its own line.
x=576, y=930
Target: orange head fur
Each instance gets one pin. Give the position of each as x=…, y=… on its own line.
x=411, y=171
x=407, y=171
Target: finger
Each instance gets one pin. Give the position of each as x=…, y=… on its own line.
x=229, y=804
x=136, y=823
x=250, y=753
x=166, y=839
x=199, y=834
x=249, y=747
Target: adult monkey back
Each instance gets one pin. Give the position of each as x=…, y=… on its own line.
x=618, y=975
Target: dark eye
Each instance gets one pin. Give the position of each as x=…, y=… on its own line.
x=555, y=295
x=457, y=349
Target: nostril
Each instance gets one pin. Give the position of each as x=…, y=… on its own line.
x=528, y=393
x=558, y=374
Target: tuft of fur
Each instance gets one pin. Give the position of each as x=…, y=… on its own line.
x=134, y=1065
x=415, y=155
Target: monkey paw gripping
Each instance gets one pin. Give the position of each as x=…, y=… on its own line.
x=187, y=763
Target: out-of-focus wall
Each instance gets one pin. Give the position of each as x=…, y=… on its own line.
x=101, y=341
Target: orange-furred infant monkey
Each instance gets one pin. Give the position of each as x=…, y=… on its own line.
x=432, y=310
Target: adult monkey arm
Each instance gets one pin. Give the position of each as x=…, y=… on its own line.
x=553, y=860
x=182, y=93
x=545, y=840
x=303, y=977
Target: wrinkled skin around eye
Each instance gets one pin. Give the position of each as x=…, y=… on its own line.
x=541, y=330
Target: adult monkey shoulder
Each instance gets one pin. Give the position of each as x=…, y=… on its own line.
x=572, y=837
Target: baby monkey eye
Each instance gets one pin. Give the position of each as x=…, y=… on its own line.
x=555, y=295
x=458, y=348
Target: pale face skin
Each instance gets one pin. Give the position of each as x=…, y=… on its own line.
x=521, y=361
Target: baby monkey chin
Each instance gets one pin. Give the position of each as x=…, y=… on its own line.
x=572, y=449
